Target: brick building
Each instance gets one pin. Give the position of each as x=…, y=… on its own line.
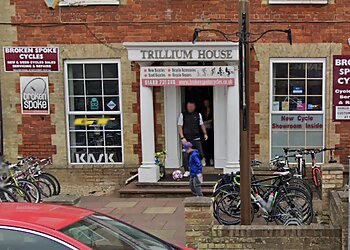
x=103, y=46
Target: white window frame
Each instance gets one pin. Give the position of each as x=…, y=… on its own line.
x=65, y=3
x=68, y=112
x=298, y=1
x=324, y=81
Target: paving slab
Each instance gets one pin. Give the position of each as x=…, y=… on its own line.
x=160, y=210
x=122, y=204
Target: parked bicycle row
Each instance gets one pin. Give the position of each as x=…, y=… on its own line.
x=283, y=196
x=26, y=181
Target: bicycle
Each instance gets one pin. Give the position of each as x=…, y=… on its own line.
x=159, y=160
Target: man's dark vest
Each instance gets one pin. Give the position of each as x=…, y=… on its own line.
x=191, y=125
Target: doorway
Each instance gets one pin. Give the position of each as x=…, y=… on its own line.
x=203, y=98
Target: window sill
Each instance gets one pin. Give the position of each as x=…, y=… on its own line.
x=67, y=3
x=298, y=1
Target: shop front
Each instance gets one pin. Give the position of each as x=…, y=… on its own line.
x=203, y=73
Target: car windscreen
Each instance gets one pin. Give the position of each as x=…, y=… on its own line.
x=104, y=233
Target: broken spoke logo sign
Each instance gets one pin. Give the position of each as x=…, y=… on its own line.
x=35, y=95
x=341, y=88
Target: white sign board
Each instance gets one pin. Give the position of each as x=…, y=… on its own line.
x=35, y=95
x=342, y=112
x=188, y=76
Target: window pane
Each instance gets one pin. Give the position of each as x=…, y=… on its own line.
x=296, y=138
x=113, y=124
x=314, y=138
x=77, y=103
x=297, y=87
x=94, y=103
x=113, y=138
x=297, y=103
x=95, y=138
x=78, y=155
x=73, y=126
x=96, y=155
x=110, y=87
x=94, y=87
x=279, y=138
x=280, y=70
x=280, y=87
x=276, y=151
x=314, y=87
x=314, y=103
x=115, y=154
x=110, y=70
x=314, y=70
x=112, y=104
x=76, y=87
x=78, y=138
x=75, y=71
x=280, y=103
x=297, y=70
x=92, y=70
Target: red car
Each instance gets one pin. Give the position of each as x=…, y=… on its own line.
x=32, y=226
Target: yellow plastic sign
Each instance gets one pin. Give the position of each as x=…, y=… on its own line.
x=92, y=121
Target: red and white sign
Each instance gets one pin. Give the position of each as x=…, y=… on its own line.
x=31, y=59
x=341, y=88
x=188, y=76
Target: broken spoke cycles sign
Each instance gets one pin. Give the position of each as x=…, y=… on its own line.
x=341, y=88
x=31, y=59
x=34, y=95
x=188, y=76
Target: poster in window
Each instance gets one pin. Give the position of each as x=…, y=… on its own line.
x=35, y=95
x=285, y=106
x=276, y=106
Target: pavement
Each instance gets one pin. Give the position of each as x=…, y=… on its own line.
x=163, y=217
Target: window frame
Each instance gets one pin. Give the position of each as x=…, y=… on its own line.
x=298, y=2
x=39, y=234
x=97, y=113
x=306, y=112
x=68, y=3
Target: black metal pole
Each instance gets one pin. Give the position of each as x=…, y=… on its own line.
x=245, y=187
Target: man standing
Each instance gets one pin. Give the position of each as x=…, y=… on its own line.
x=190, y=123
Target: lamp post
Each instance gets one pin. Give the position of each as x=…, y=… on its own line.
x=244, y=41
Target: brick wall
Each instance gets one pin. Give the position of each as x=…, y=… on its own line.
x=168, y=21
x=201, y=233
x=339, y=213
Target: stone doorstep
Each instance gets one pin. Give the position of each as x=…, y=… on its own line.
x=63, y=199
x=332, y=167
x=344, y=196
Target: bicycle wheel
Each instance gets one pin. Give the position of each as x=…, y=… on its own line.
x=6, y=196
x=48, y=181
x=57, y=189
x=293, y=206
x=19, y=193
x=318, y=183
x=45, y=189
x=219, y=193
x=301, y=183
x=31, y=188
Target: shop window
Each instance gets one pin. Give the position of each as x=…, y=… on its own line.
x=297, y=104
x=94, y=112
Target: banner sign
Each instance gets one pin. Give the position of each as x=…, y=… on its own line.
x=35, y=95
x=296, y=122
x=188, y=76
x=31, y=59
x=341, y=88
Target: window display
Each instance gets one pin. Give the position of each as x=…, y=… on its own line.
x=94, y=115
x=297, y=105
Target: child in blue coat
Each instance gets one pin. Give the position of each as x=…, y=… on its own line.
x=196, y=176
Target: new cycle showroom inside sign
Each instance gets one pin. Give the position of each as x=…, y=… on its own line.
x=35, y=95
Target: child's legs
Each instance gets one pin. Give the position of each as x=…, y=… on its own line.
x=197, y=186
x=192, y=186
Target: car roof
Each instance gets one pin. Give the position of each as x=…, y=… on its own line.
x=52, y=216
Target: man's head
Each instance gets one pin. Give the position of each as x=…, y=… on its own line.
x=191, y=106
x=188, y=147
x=206, y=103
